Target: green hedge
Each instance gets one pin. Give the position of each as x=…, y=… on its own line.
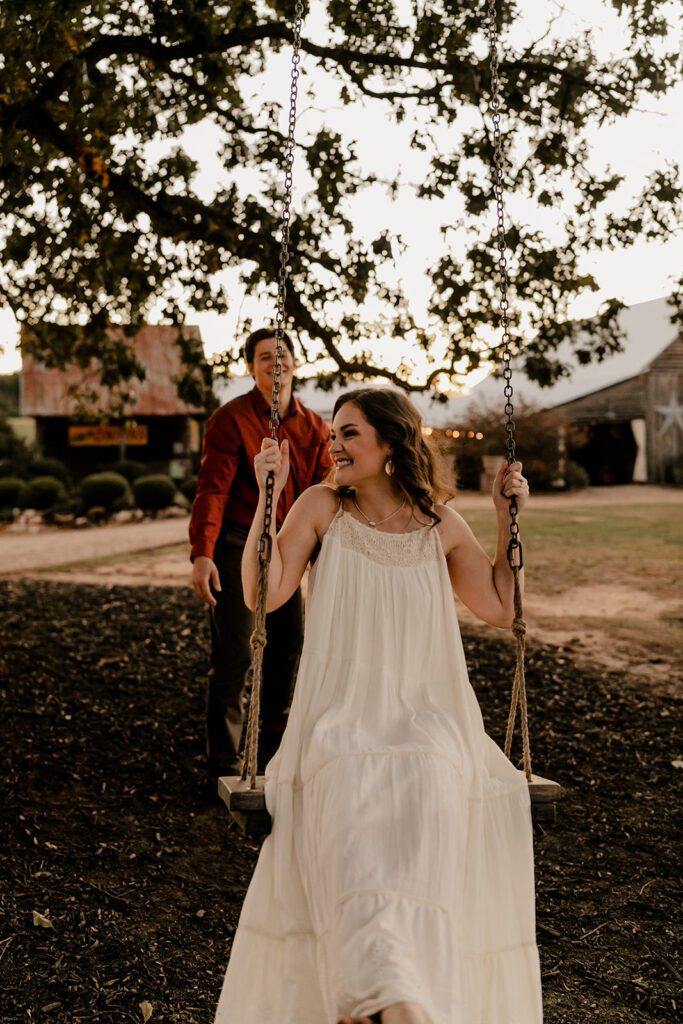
x=49, y=467
x=153, y=493
x=10, y=488
x=104, y=489
x=41, y=493
x=189, y=487
x=10, y=468
x=130, y=469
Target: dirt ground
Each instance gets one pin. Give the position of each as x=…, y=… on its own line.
x=123, y=882
x=549, y=616
x=585, y=615
x=122, y=885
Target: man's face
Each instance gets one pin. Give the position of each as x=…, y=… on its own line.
x=264, y=364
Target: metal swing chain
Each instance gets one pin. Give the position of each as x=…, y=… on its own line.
x=514, y=551
x=265, y=547
x=265, y=543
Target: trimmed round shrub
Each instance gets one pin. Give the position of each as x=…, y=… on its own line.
x=130, y=469
x=9, y=468
x=10, y=487
x=576, y=477
x=103, y=490
x=49, y=467
x=124, y=503
x=189, y=487
x=41, y=493
x=71, y=505
x=153, y=493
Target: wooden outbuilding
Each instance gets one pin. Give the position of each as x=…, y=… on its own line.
x=628, y=407
x=157, y=427
x=635, y=427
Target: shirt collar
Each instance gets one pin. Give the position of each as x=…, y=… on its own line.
x=262, y=407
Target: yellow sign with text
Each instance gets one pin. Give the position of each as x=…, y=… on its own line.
x=83, y=435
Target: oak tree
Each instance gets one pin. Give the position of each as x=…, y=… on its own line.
x=96, y=229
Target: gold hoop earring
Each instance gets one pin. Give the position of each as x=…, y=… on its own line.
x=389, y=467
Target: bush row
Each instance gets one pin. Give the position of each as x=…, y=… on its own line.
x=112, y=491
x=45, y=466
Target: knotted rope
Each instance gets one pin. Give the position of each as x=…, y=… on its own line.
x=257, y=642
x=518, y=698
x=515, y=548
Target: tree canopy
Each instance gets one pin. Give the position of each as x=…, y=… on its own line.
x=96, y=229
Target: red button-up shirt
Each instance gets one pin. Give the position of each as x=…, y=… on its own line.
x=227, y=487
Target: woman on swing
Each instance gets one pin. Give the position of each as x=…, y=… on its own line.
x=397, y=883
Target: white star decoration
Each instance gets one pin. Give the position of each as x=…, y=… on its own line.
x=672, y=413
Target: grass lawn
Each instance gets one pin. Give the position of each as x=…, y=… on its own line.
x=640, y=546
x=617, y=552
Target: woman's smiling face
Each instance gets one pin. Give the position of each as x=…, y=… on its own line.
x=357, y=450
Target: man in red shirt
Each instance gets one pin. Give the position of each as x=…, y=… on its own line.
x=224, y=506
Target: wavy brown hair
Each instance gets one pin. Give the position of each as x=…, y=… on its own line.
x=398, y=423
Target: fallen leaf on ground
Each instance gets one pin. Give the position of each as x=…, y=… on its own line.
x=40, y=921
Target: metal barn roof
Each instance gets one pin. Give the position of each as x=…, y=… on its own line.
x=45, y=392
x=648, y=330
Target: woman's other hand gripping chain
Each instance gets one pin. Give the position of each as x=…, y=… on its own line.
x=509, y=482
x=294, y=545
x=274, y=458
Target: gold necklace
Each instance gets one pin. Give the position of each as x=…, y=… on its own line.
x=378, y=522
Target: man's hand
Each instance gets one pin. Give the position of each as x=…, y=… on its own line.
x=204, y=573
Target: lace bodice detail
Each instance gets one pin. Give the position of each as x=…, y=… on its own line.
x=406, y=550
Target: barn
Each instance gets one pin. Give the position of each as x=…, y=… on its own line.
x=627, y=407
x=158, y=428
x=634, y=427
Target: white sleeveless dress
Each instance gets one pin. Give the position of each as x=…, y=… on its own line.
x=400, y=865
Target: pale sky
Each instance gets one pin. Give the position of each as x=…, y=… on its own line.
x=633, y=147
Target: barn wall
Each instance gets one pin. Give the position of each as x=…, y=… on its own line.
x=664, y=423
x=624, y=401
x=168, y=438
x=670, y=360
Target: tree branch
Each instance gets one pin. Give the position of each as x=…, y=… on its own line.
x=110, y=45
x=264, y=251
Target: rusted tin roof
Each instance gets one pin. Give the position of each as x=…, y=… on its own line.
x=45, y=391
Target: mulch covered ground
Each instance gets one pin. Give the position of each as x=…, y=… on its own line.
x=110, y=841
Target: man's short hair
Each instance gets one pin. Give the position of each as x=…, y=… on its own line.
x=261, y=335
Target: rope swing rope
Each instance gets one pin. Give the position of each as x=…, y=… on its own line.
x=514, y=553
x=258, y=637
x=241, y=799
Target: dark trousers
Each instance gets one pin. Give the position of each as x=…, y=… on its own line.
x=231, y=627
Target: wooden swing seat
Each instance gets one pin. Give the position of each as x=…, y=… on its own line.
x=248, y=806
x=544, y=794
